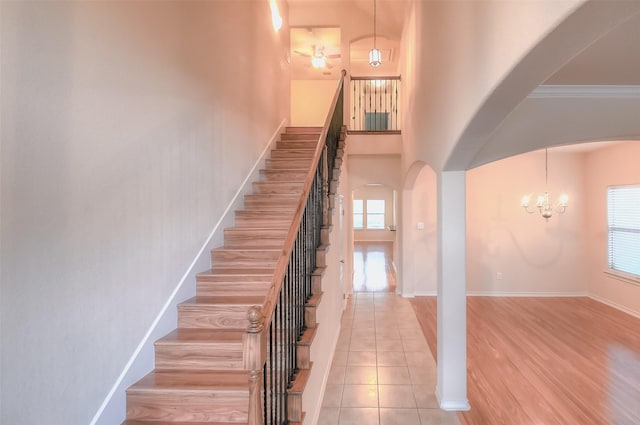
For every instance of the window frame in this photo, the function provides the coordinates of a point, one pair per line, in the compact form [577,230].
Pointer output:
[365,214]
[612,229]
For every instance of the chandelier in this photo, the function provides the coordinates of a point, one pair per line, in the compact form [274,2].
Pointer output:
[543,204]
[375,56]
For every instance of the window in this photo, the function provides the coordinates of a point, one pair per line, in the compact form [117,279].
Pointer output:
[623,229]
[368,214]
[375,214]
[358,214]
[376,121]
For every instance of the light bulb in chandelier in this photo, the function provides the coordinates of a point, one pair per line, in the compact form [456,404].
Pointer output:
[545,207]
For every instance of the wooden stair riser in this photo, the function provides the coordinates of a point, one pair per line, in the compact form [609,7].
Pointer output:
[310,310]
[296,144]
[337,163]
[316,284]
[278,187]
[321,255]
[289,175]
[270,202]
[236,258]
[310,319]
[199,356]
[305,130]
[232,288]
[189,406]
[325,233]
[213,316]
[339,153]
[294,396]
[264,218]
[313,137]
[254,237]
[303,348]
[292,153]
[283,164]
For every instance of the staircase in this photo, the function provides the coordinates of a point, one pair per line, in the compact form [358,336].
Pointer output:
[200,374]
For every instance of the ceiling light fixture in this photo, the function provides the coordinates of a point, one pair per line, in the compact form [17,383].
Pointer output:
[276,19]
[318,61]
[543,204]
[375,56]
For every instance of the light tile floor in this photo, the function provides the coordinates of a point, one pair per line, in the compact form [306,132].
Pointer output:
[382,372]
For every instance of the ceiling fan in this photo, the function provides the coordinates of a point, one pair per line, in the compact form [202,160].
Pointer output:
[319,59]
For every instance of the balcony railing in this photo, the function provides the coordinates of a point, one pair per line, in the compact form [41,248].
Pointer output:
[374,105]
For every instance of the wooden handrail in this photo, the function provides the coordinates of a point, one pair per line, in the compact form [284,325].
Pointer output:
[276,283]
[259,317]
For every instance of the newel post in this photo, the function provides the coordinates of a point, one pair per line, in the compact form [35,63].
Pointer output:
[254,358]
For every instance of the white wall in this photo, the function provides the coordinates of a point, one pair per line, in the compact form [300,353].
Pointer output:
[310,101]
[419,253]
[614,165]
[329,315]
[533,256]
[126,129]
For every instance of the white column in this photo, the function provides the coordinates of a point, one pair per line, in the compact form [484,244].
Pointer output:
[451,390]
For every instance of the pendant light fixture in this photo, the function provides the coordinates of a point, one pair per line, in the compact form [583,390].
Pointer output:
[544,205]
[375,56]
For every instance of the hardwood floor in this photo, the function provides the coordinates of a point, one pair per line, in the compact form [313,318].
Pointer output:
[373,267]
[565,361]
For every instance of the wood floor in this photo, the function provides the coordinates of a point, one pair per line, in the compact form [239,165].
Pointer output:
[373,267]
[547,361]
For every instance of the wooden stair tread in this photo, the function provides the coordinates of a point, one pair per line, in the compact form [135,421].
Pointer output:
[202,336]
[238,271]
[248,300]
[300,382]
[314,300]
[173,380]
[140,422]
[303,129]
[308,336]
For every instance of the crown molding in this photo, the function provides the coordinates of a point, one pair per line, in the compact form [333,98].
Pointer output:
[584,91]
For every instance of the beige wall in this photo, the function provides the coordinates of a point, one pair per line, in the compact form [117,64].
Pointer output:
[532,255]
[614,165]
[310,101]
[127,128]
[419,274]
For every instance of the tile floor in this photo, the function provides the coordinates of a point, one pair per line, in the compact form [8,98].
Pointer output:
[382,372]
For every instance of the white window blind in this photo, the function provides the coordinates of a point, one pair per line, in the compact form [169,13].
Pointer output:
[623,214]
[375,213]
[358,214]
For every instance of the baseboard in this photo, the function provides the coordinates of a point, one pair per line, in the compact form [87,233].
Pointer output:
[452,405]
[615,305]
[426,293]
[525,294]
[113,408]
